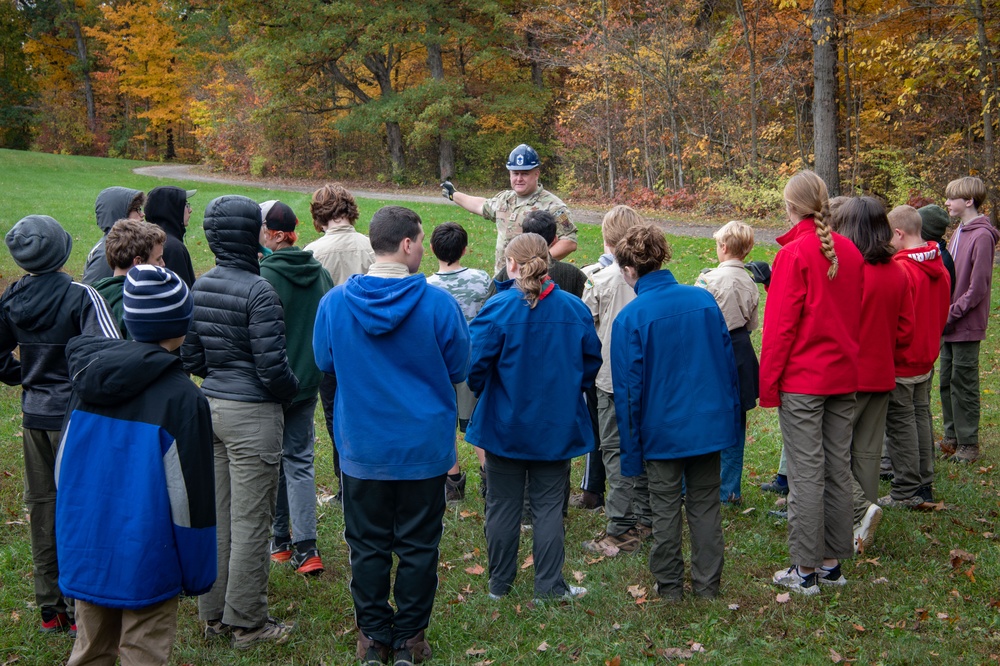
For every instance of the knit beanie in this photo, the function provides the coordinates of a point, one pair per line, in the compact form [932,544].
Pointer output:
[278,216]
[158,305]
[39,244]
[935,221]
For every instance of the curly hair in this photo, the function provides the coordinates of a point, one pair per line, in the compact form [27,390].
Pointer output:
[332,202]
[129,239]
[644,248]
[531,253]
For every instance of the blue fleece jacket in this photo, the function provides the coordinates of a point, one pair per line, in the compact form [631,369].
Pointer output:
[396,346]
[676,389]
[529,368]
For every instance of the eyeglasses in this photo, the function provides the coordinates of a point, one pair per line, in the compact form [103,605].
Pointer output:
[187,205]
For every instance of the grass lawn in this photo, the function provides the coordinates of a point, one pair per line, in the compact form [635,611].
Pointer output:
[906,603]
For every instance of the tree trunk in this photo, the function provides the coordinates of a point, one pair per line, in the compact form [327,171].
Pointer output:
[752,56]
[825,95]
[88,87]
[394,137]
[985,65]
[435,63]
[536,67]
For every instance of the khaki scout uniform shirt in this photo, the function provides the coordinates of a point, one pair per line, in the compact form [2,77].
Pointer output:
[343,251]
[605,293]
[735,292]
[508,211]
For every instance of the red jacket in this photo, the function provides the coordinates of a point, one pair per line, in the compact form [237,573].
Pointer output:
[930,289]
[886,325]
[812,324]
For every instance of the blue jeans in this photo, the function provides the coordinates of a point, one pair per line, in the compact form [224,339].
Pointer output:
[731,462]
[297,477]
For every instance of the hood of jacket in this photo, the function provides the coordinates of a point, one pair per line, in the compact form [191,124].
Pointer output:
[297,266]
[107,372]
[982,222]
[33,302]
[381,304]
[112,205]
[927,258]
[165,208]
[232,229]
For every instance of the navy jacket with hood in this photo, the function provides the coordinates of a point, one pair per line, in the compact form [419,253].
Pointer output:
[112,205]
[40,314]
[165,209]
[135,507]
[396,346]
[237,337]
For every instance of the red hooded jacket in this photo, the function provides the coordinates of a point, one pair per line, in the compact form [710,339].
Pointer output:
[812,324]
[930,288]
[887,324]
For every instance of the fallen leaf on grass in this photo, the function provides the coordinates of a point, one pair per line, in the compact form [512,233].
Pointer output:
[959,556]
[942,616]
[543,647]
[593,560]
[922,614]
[467,514]
[835,656]
[857,627]
[528,562]
[969,574]
[457,600]
[590,611]
[614,661]
[783,598]
[484,662]
[872,561]
[675,653]
[985,470]
[747,512]
[616,626]
[471,555]
[734,607]
[781,501]
[476,652]
[696,647]
[578,576]
[636,591]
[476,570]
[880,581]
[495,616]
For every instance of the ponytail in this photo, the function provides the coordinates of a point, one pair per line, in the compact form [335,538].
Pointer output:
[531,253]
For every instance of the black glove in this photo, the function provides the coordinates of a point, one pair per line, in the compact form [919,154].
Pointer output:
[448,190]
[760,271]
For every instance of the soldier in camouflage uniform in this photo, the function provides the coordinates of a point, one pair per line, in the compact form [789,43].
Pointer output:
[507,209]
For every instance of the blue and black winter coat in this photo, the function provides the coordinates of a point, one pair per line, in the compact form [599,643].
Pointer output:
[135,507]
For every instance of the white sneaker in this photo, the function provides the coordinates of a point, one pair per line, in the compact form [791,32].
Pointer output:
[574,592]
[864,532]
[796,582]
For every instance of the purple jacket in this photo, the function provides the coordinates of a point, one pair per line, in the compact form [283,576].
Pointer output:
[972,247]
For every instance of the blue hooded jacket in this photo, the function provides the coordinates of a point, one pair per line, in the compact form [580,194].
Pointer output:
[396,346]
[676,389]
[530,367]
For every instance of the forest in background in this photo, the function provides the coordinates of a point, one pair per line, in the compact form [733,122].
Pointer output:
[669,104]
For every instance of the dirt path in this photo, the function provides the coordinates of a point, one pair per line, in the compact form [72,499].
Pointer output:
[580,215]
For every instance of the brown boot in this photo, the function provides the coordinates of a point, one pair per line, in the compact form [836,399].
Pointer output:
[414,651]
[947,446]
[371,652]
[967,453]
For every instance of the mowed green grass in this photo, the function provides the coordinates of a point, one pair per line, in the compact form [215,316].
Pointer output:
[905,604]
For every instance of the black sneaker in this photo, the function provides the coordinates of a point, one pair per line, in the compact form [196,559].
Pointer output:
[927,493]
[402,657]
[779,485]
[307,561]
[831,576]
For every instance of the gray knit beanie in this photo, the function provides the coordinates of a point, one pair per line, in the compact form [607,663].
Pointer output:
[39,244]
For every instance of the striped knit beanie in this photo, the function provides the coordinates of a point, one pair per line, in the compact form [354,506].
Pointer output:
[158,305]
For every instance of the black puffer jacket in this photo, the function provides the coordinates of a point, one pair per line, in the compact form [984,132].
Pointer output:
[237,338]
[111,205]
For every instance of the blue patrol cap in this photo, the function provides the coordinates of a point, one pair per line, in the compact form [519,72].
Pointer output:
[523,158]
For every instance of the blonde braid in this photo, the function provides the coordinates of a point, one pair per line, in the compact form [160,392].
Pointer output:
[531,253]
[826,243]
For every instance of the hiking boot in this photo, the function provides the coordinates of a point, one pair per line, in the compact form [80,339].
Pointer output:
[864,532]
[414,651]
[586,500]
[779,485]
[609,546]
[670,593]
[308,562]
[644,532]
[831,576]
[946,446]
[966,453]
[885,469]
[271,631]
[54,621]
[927,493]
[216,629]
[371,652]
[281,550]
[889,502]
[482,482]
[796,581]
[454,489]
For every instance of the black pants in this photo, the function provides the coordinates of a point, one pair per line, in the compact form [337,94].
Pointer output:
[327,392]
[386,517]
[594,477]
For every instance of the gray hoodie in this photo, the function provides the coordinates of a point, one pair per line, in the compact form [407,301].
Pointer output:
[112,205]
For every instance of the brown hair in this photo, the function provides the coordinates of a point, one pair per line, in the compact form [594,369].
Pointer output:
[616,222]
[531,253]
[806,196]
[332,202]
[737,237]
[129,239]
[136,205]
[906,219]
[863,221]
[644,248]
[967,188]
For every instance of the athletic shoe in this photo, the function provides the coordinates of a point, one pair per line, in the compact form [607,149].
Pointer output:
[371,652]
[54,621]
[586,500]
[609,545]
[574,592]
[307,562]
[281,551]
[216,629]
[912,502]
[946,446]
[780,514]
[864,532]
[966,453]
[372,657]
[927,492]
[271,631]
[796,582]
[454,491]
[415,650]
[779,485]
[72,630]
[831,576]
